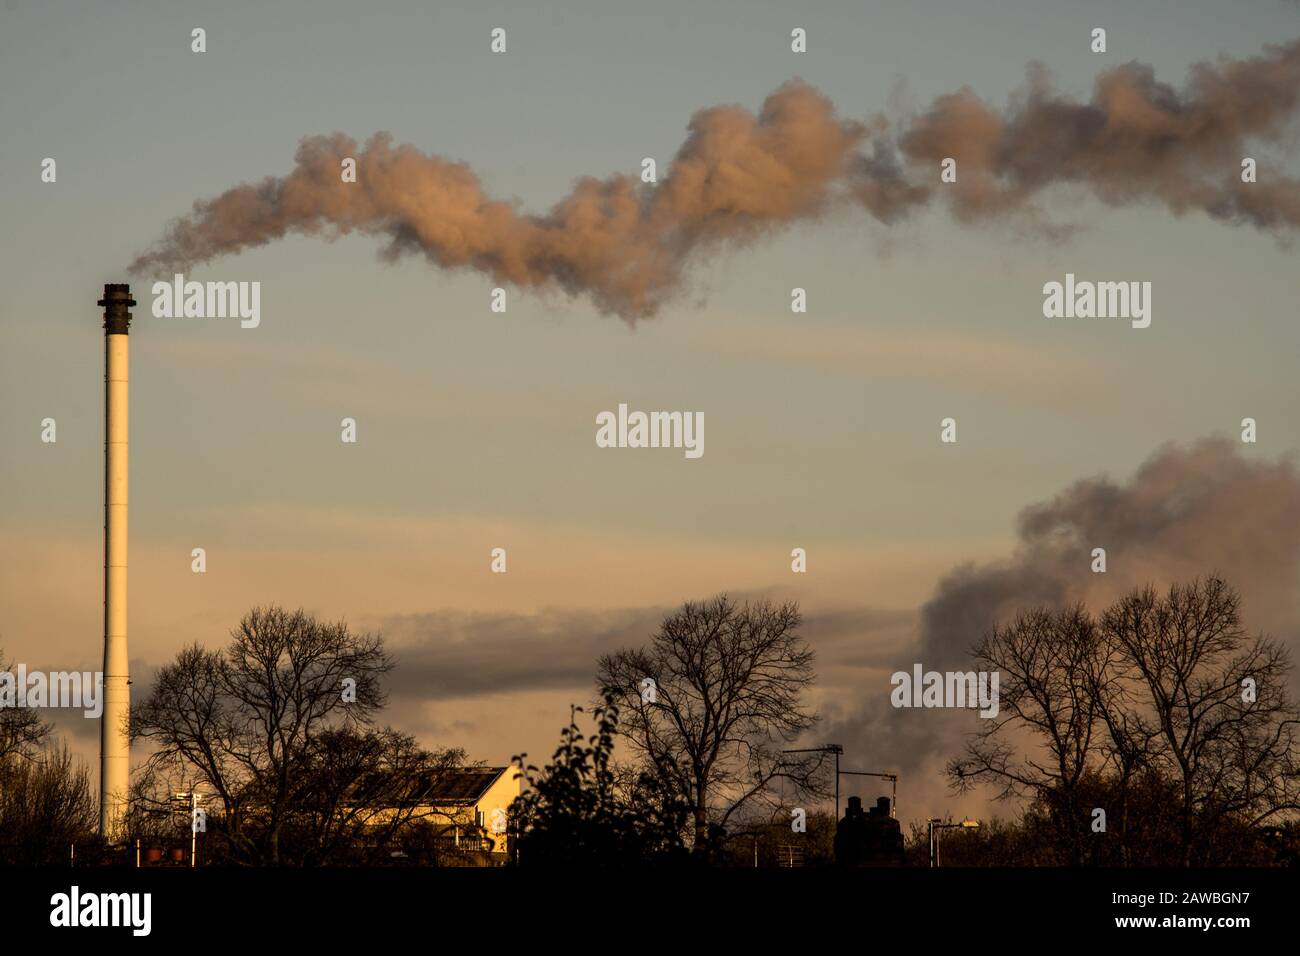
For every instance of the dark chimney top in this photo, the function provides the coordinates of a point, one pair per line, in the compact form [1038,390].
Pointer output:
[117,302]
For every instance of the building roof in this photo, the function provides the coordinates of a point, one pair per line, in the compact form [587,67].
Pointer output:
[464,785]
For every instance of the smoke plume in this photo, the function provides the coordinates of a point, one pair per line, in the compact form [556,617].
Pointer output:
[1188,511]
[627,245]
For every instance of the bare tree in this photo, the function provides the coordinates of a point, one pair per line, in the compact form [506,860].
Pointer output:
[1128,738]
[251,721]
[368,787]
[1163,703]
[46,803]
[709,703]
[1048,664]
[22,730]
[1227,730]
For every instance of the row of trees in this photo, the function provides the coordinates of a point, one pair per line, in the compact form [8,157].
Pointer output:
[1160,712]
[278,730]
[1156,732]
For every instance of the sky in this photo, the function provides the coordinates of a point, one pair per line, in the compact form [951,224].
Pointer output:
[476,429]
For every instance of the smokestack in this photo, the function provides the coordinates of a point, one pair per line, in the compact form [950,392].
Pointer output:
[114,740]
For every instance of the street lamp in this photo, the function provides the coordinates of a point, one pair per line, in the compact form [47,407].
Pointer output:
[835,749]
[937,824]
[183,800]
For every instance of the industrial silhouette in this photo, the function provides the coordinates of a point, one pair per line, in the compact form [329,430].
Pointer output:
[871,838]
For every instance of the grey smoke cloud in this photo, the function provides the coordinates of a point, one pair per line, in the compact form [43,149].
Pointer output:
[446,655]
[1136,140]
[738,176]
[620,242]
[1188,510]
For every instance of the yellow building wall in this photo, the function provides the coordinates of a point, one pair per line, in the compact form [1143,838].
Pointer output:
[499,796]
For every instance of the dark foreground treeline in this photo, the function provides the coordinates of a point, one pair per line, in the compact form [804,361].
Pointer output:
[49,810]
[1154,839]
[1155,733]
[568,820]
[1024,841]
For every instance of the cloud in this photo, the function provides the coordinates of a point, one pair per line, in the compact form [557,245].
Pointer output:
[1136,140]
[627,245]
[623,244]
[1188,511]
[452,655]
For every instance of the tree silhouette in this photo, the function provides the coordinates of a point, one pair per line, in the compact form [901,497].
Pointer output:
[278,726]
[1161,711]
[578,811]
[724,696]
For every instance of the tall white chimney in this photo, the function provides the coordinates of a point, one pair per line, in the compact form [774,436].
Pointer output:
[114,740]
